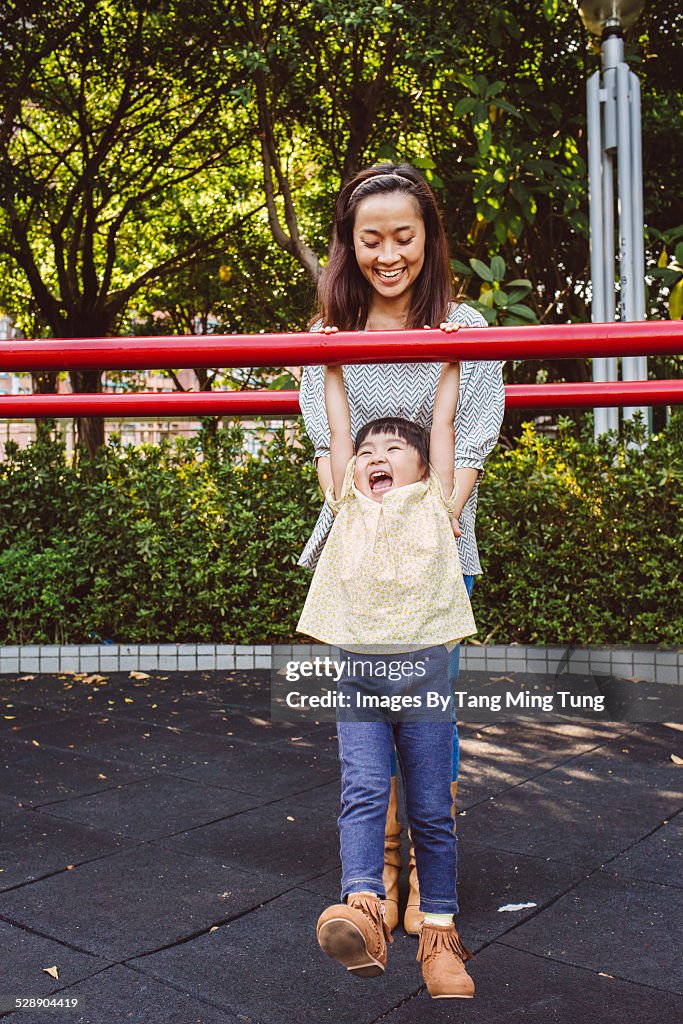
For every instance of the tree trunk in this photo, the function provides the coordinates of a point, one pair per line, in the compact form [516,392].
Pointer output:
[89,429]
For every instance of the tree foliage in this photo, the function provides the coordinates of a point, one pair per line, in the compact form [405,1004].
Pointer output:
[181,157]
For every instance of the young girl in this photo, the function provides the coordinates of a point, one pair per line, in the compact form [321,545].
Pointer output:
[390,575]
[388,269]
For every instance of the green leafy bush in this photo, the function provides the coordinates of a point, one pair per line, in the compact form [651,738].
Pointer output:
[196,540]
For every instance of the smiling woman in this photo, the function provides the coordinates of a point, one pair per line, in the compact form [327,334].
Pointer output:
[389,269]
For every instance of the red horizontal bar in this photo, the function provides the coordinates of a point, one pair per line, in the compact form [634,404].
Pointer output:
[558,341]
[276,404]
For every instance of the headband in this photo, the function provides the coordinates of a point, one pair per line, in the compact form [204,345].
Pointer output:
[378,177]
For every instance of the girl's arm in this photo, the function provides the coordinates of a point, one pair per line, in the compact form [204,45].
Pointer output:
[339,419]
[442,437]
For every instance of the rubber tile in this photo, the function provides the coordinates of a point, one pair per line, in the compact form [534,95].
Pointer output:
[215,719]
[275,770]
[153,808]
[489,879]
[515,988]
[268,966]
[609,776]
[526,820]
[625,928]
[528,747]
[14,716]
[133,743]
[33,845]
[480,778]
[137,900]
[657,858]
[283,840]
[651,744]
[25,956]
[48,691]
[44,776]
[120,994]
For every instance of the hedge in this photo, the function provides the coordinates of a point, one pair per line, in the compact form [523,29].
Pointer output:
[197,540]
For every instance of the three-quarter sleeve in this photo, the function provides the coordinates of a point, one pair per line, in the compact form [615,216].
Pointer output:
[312,404]
[481,407]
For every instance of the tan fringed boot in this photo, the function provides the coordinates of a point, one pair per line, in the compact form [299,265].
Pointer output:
[414,917]
[443,954]
[355,934]
[392,858]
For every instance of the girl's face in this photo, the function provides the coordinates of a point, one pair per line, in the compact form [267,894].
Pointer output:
[389,243]
[385,462]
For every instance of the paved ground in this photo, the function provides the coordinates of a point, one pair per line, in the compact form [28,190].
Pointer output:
[166,851]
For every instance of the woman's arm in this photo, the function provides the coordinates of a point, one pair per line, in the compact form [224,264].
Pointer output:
[442,437]
[339,420]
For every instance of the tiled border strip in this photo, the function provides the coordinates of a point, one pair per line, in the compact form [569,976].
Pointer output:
[649,663]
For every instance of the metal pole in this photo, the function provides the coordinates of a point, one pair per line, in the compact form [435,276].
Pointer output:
[597,238]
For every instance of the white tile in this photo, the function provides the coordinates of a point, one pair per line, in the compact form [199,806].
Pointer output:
[9,666]
[187,662]
[206,661]
[244,649]
[149,649]
[168,649]
[244,661]
[168,663]
[225,662]
[262,661]
[128,662]
[49,665]
[225,649]
[9,652]
[90,664]
[109,663]
[69,663]
[187,650]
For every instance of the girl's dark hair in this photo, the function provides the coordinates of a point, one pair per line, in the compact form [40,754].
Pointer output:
[412,433]
[343,292]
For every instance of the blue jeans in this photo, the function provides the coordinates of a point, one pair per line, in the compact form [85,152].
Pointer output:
[453,673]
[424,750]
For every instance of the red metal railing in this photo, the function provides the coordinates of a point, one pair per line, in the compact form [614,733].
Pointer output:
[557,342]
[276,404]
[496,343]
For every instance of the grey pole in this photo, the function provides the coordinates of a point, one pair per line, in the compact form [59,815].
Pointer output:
[613,107]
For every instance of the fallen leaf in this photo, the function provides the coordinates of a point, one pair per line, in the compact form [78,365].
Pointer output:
[101,776]
[35,743]
[214,928]
[128,700]
[139,675]
[26,679]
[9,718]
[601,974]
[69,867]
[676,759]
[52,971]
[516,906]
[502,679]
[289,818]
[94,679]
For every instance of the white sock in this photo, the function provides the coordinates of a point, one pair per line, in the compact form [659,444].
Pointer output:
[442,919]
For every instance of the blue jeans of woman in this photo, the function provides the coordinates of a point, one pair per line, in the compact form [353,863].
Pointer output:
[424,749]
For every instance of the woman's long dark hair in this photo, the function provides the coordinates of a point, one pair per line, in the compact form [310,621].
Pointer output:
[344,294]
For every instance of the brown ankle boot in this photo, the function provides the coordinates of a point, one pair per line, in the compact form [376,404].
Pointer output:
[355,934]
[392,859]
[443,954]
[414,917]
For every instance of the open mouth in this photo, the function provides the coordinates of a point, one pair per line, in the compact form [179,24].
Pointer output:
[380,481]
[390,275]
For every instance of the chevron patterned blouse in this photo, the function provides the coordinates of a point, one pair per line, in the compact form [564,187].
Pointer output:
[408,389]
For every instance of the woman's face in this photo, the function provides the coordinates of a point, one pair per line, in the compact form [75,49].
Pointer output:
[389,243]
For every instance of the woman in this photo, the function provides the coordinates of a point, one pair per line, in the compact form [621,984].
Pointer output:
[389,270]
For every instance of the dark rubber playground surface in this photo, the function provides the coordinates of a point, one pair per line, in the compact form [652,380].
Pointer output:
[168,850]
